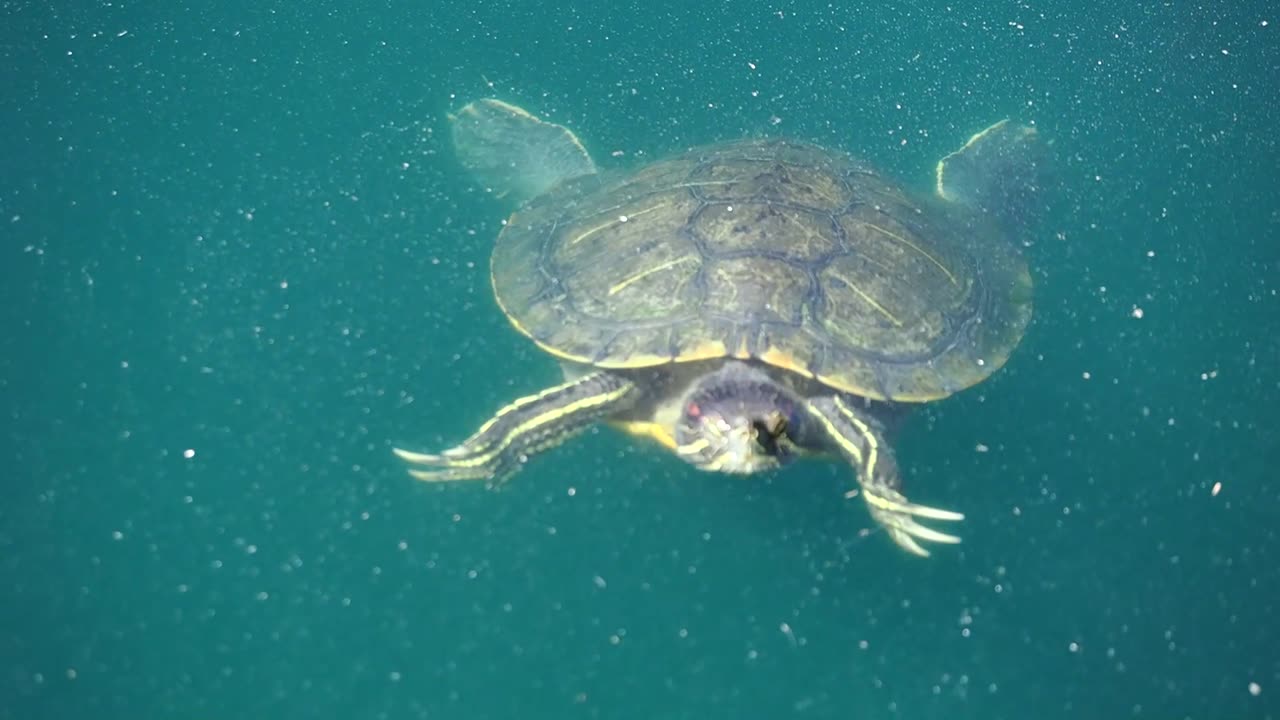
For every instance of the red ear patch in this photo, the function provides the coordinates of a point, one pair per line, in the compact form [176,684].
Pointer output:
[694,410]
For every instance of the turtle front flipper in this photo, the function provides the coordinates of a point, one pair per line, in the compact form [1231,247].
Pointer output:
[524,427]
[514,153]
[860,439]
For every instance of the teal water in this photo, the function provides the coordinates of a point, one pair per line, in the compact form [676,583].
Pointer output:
[239,263]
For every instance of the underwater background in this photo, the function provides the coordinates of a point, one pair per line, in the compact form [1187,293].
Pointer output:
[238,262]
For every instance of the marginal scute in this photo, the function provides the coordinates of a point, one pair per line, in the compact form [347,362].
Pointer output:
[786,360]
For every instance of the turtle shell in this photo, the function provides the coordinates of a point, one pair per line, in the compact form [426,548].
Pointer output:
[769,250]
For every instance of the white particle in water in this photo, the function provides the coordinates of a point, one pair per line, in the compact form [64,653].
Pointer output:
[622,218]
[1255,689]
[189,453]
[1137,313]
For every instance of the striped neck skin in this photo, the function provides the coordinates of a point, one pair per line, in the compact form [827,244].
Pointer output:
[737,420]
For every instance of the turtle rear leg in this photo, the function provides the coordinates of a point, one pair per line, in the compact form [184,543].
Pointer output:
[860,439]
[526,426]
[1000,171]
[513,152]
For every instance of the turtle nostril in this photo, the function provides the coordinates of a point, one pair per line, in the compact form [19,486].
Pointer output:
[768,441]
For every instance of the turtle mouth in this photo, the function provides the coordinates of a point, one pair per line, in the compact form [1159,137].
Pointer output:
[740,445]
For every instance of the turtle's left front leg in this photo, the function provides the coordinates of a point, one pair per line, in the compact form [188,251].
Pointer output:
[859,437]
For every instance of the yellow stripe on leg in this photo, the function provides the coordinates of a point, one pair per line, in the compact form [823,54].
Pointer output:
[538,421]
[873,444]
[520,403]
[834,433]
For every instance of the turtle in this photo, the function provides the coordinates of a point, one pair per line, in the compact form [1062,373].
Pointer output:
[749,302]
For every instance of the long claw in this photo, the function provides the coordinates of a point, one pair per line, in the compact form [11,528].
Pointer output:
[417,458]
[907,543]
[445,467]
[898,517]
[933,513]
[929,534]
[905,531]
[893,502]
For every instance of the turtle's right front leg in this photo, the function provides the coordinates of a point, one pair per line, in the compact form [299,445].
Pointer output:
[524,427]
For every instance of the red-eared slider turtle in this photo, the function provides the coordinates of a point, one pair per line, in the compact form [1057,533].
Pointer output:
[749,302]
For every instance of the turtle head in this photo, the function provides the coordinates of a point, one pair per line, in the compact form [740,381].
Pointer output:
[737,420]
